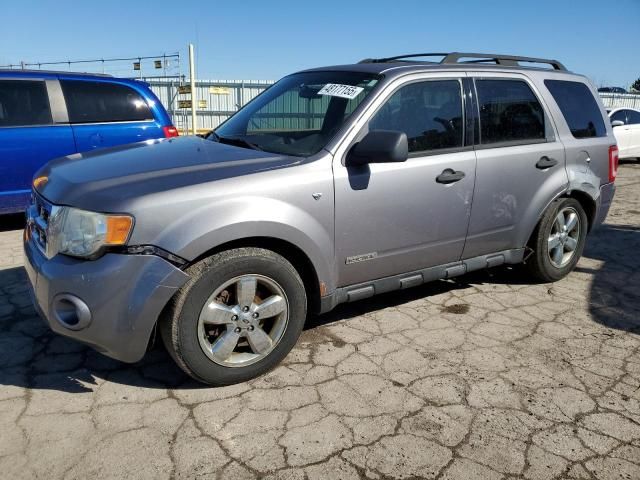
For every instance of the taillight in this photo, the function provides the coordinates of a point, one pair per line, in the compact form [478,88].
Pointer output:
[170,131]
[613,162]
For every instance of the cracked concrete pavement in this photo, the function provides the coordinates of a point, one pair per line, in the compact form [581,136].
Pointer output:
[488,377]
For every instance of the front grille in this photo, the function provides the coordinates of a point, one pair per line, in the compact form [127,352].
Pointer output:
[38,217]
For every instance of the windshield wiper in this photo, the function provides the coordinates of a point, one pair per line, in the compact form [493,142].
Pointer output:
[237,141]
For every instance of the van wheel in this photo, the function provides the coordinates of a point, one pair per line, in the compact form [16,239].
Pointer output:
[558,240]
[238,316]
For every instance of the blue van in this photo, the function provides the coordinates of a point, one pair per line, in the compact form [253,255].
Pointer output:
[44,115]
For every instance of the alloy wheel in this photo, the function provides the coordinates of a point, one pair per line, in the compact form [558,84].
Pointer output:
[243,320]
[563,239]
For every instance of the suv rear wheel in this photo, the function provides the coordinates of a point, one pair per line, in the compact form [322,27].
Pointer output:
[237,318]
[558,240]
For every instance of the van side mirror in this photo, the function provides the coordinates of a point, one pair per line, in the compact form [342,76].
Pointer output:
[379,146]
[617,123]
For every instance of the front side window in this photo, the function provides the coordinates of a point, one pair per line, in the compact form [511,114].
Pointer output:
[299,114]
[98,102]
[24,103]
[509,112]
[429,112]
[579,108]
[620,115]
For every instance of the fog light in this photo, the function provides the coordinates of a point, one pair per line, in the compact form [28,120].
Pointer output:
[71,312]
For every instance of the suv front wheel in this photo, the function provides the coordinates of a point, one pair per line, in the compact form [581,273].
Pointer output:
[237,318]
[558,240]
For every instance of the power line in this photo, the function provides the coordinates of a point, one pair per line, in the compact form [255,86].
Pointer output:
[169,63]
[97,60]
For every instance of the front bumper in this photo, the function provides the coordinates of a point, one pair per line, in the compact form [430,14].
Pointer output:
[125,295]
[607,191]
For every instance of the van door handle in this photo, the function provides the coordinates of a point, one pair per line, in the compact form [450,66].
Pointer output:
[546,162]
[449,175]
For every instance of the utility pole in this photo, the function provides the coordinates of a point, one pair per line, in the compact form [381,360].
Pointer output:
[192,75]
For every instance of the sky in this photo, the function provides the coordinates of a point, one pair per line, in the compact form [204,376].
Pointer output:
[265,40]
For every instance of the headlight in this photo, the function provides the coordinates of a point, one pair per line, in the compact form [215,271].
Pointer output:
[80,233]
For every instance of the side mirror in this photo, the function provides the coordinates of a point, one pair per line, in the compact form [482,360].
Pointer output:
[379,146]
[617,123]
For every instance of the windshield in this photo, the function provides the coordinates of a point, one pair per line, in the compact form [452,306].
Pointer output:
[299,114]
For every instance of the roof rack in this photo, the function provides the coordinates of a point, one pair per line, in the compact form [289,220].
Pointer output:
[455,57]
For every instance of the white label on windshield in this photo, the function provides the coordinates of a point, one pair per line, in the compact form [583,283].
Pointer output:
[337,90]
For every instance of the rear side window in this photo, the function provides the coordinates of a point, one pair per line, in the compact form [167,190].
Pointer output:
[96,102]
[509,112]
[430,113]
[579,108]
[24,103]
[633,117]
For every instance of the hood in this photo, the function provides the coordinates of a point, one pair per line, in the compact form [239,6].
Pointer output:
[104,180]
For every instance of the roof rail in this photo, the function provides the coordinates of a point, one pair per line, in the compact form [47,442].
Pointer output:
[454,58]
[402,57]
[50,72]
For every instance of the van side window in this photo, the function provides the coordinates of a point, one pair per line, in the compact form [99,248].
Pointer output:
[24,103]
[579,108]
[429,112]
[97,102]
[509,112]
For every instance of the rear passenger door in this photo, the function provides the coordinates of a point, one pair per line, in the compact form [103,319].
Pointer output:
[106,113]
[32,132]
[633,129]
[520,163]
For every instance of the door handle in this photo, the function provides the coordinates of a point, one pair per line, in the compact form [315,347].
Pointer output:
[546,162]
[449,175]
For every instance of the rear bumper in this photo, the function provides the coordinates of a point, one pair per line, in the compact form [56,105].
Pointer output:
[607,191]
[124,295]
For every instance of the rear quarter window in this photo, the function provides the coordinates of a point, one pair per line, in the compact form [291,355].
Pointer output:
[578,107]
[99,102]
[24,103]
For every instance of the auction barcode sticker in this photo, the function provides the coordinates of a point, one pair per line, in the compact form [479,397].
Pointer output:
[343,91]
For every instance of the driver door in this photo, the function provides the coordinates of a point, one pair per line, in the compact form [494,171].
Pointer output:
[393,218]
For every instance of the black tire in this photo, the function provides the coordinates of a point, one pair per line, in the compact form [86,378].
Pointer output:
[179,325]
[539,264]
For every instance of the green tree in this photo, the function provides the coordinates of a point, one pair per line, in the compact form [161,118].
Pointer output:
[636,85]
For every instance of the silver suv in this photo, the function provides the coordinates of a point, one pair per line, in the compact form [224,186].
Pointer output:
[332,186]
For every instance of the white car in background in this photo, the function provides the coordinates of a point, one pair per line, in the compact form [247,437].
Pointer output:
[626,129]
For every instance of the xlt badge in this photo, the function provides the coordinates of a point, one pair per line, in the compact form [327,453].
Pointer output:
[361,258]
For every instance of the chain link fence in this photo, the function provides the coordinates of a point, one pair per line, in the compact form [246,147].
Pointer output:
[216,100]
[620,100]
